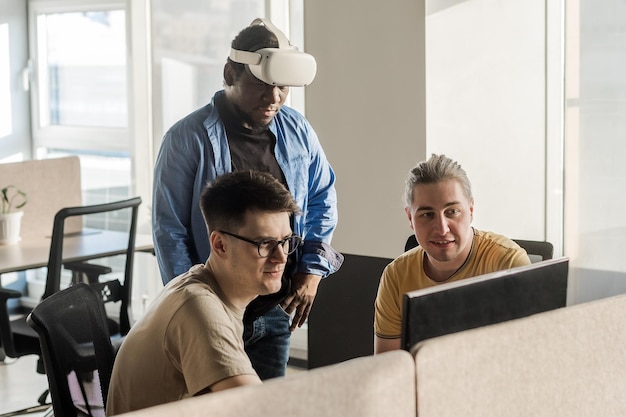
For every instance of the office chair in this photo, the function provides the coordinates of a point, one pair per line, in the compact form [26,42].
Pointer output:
[111,291]
[536,250]
[18,339]
[76,348]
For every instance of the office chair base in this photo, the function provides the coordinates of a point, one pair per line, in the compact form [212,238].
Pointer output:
[28,410]
[43,406]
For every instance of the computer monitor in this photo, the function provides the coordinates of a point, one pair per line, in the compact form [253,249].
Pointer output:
[483,300]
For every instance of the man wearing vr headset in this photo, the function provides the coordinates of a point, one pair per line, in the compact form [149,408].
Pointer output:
[246,126]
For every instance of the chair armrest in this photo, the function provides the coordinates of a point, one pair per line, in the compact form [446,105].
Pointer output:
[6,337]
[92,271]
[6,293]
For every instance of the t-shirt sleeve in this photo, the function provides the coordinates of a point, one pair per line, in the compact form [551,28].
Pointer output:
[515,257]
[387,307]
[206,343]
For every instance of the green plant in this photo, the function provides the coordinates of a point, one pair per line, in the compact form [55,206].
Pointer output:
[9,194]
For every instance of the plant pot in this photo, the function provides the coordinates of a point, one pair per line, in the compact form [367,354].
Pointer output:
[10,227]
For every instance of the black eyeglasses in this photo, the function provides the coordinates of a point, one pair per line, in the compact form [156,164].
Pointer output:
[266,247]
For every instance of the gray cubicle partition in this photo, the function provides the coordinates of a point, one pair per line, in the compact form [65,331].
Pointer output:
[341,322]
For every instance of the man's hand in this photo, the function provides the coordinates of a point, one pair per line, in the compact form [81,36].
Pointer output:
[300,300]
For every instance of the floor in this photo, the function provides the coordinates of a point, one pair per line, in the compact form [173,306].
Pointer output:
[21,385]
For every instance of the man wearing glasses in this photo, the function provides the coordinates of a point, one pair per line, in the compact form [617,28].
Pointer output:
[189,341]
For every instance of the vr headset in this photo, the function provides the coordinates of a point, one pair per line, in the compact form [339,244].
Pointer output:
[283,66]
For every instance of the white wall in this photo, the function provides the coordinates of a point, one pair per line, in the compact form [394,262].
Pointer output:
[367,105]
[486,106]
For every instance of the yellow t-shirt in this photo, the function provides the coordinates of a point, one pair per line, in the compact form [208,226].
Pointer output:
[490,252]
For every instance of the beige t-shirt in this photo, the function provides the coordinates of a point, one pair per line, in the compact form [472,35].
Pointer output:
[189,339]
[490,252]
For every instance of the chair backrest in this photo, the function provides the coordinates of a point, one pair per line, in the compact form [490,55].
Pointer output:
[411,242]
[338,331]
[536,250]
[76,348]
[112,290]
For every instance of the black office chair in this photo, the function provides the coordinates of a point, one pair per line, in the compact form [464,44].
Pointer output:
[18,339]
[536,250]
[112,291]
[76,348]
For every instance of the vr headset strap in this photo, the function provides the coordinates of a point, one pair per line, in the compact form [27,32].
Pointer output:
[245,57]
[254,58]
[283,42]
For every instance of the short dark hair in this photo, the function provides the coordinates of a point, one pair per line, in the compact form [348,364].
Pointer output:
[225,201]
[252,39]
[437,168]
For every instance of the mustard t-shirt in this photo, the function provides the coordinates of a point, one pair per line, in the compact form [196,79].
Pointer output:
[490,252]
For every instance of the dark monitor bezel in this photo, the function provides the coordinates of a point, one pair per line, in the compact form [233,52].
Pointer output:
[483,300]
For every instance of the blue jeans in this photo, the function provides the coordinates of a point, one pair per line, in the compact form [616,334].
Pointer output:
[266,341]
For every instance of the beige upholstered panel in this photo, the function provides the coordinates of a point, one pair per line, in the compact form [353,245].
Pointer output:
[51,184]
[566,362]
[373,386]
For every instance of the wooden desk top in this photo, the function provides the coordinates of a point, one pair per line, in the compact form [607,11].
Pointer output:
[92,244]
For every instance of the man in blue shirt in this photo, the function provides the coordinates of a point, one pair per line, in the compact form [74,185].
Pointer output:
[247,127]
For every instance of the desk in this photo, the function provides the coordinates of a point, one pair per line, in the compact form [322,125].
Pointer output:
[32,253]
[91,244]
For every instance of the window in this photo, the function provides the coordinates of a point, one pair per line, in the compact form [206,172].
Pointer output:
[5,88]
[80,83]
[80,91]
[82,78]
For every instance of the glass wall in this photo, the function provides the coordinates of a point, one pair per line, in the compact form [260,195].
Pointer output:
[595,145]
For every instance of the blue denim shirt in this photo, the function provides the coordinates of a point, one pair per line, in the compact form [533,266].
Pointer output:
[195,151]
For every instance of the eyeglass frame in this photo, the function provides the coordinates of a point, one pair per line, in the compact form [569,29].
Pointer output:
[258,243]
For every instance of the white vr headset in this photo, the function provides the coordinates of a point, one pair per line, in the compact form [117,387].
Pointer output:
[282,66]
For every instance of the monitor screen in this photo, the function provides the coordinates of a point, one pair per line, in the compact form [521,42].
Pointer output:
[483,300]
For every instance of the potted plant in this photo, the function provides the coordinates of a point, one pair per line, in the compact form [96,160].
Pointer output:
[12,199]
